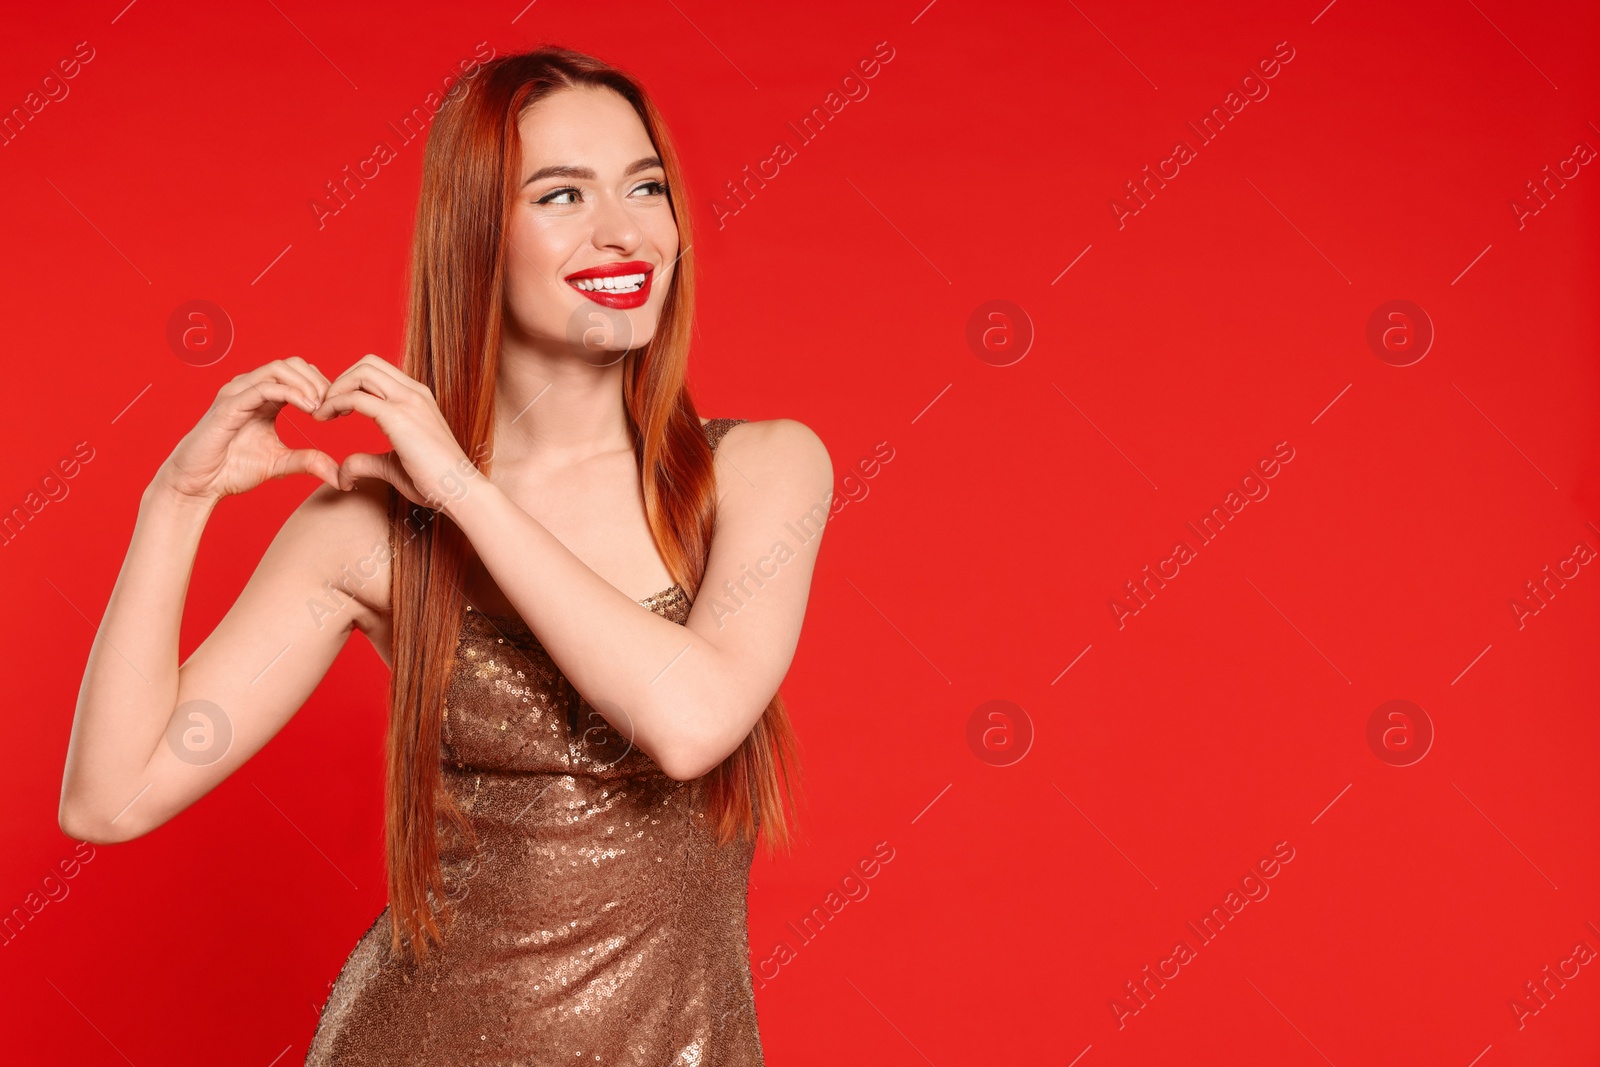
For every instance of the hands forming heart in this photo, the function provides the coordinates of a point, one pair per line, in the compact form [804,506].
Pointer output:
[236,447]
[425,463]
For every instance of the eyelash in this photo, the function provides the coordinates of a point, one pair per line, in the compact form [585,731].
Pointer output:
[663,188]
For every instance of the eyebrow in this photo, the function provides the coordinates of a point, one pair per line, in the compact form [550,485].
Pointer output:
[567,170]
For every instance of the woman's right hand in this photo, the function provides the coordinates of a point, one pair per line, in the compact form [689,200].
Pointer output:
[235,445]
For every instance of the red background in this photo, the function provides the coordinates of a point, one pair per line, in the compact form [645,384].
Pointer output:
[1226,316]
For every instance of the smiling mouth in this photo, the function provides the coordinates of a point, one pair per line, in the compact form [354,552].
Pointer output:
[615,283]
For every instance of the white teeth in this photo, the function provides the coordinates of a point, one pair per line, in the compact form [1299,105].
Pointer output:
[616,283]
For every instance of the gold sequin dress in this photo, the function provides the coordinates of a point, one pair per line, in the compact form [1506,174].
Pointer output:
[597,922]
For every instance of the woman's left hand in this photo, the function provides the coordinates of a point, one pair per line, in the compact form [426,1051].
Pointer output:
[427,465]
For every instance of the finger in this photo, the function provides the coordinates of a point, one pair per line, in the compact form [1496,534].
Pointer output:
[282,371]
[337,404]
[389,371]
[276,371]
[367,465]
[263,394]
[383,366]
[363,377]
[313,462]
[315,373]
[387,467]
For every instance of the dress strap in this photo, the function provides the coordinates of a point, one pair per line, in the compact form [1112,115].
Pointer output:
[717,428]
[397,504]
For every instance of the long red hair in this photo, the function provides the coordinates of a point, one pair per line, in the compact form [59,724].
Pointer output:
[470,180]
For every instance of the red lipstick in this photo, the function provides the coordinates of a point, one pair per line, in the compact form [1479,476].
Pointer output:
[630,289]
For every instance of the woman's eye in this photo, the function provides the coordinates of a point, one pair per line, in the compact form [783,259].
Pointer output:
[550,197]
[554,196]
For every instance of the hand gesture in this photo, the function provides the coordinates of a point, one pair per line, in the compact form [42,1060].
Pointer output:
[426,464]
[235,445]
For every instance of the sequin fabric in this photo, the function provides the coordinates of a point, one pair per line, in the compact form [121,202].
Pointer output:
[597,921]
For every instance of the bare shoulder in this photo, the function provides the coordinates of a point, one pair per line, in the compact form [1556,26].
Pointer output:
[351,532]
[781,455]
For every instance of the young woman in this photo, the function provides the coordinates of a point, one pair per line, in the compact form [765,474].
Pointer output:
[580,760]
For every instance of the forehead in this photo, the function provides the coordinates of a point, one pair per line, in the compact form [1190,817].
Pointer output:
[585,126]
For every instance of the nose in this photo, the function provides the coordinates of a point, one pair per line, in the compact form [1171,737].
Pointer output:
[615,225]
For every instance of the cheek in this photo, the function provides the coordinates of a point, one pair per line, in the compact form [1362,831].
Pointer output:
[533,269]
[667,249]
[664,235]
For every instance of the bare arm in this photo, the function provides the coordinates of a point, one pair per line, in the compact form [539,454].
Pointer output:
[151,736]
[686,695]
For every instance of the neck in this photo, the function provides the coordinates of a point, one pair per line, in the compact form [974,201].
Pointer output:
[557,409]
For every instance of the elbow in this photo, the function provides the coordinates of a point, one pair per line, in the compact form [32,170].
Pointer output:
[84,826]
[685,763]
[695,755]
[690,746]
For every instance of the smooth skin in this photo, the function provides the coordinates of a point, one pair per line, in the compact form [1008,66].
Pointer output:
[558,529]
